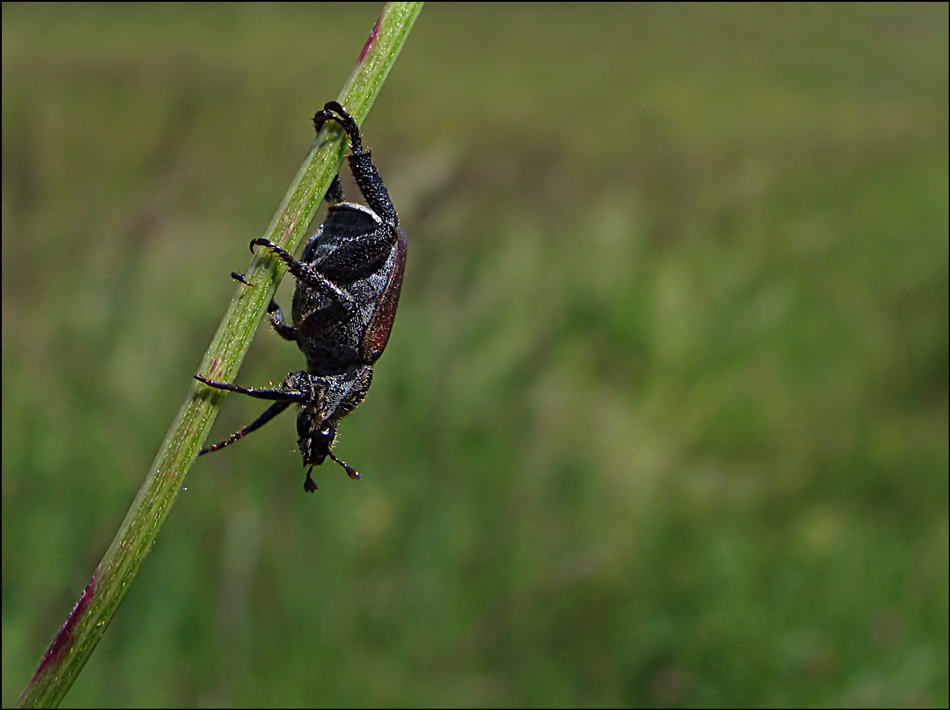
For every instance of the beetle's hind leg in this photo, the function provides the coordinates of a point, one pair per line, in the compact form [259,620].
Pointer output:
[335,193]
[361,162]
[333,110]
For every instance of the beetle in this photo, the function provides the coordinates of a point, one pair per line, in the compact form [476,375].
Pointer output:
[349,277]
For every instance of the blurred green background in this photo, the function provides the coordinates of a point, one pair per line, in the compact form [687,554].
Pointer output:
[663,420]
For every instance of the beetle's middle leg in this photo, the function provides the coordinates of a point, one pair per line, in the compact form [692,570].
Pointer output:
[284,329]
[307,274]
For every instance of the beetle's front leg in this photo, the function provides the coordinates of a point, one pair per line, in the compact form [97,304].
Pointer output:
[279,394]
[272,411]
[307,274]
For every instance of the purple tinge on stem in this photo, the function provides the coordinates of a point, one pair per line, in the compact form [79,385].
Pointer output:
[64,639]
[371,41]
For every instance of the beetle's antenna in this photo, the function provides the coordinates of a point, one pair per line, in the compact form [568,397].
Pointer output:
[350,471]
[310,485]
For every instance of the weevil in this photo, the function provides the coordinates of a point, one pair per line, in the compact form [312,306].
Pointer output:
[348,281]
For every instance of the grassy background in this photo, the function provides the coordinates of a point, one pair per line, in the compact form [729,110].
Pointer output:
[663,420]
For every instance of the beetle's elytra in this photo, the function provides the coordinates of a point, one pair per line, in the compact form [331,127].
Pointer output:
[348,281]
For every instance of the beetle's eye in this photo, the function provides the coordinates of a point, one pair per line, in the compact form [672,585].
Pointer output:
[327,435]
[304,423]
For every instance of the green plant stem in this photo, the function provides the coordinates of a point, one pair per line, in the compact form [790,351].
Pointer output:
[89,618]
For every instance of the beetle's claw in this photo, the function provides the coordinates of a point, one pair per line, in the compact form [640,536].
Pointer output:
[240,277]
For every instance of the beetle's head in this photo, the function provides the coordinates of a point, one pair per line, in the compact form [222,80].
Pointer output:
[317,438]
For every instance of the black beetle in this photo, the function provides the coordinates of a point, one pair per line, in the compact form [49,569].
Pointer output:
[348,282]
